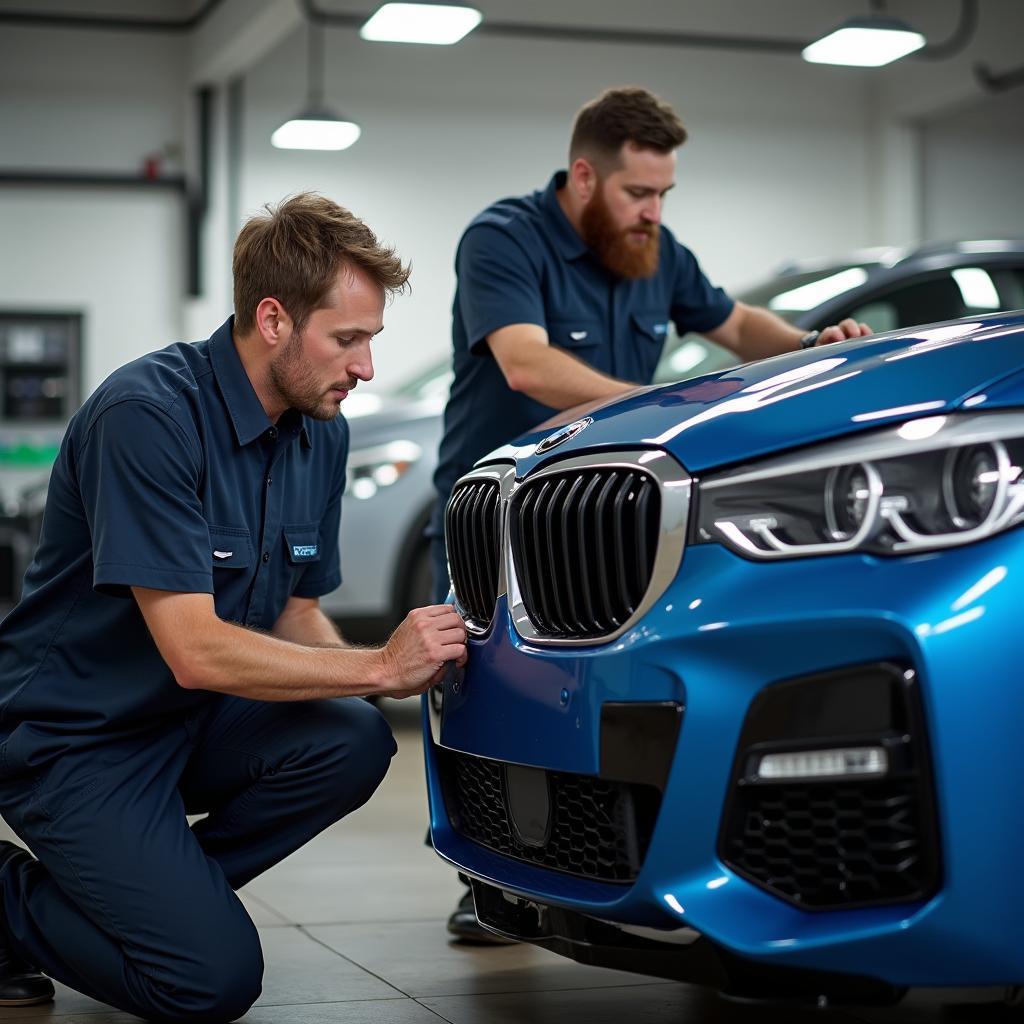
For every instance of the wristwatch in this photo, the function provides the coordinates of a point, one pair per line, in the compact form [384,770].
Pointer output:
[810,339]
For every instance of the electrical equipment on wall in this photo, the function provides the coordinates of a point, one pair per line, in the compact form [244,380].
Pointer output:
[40,358]
[40,388]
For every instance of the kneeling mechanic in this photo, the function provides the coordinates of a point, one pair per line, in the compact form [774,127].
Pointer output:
[169,655]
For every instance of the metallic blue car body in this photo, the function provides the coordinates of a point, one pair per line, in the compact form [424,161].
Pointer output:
[727,627]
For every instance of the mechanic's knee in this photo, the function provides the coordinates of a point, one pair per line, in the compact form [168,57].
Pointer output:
[362,753]
[224,980]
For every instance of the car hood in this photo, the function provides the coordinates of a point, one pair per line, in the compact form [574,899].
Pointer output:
[798,398]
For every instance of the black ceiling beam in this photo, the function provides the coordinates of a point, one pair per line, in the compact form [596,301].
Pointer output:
[63,19]
[91,179]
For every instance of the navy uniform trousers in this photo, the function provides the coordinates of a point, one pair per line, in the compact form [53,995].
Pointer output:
[130,905]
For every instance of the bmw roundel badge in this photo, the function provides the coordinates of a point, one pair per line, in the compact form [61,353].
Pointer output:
[563,435]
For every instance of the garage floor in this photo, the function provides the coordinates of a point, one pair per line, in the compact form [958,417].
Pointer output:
[353,931]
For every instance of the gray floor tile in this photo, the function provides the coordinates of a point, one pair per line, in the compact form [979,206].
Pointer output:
[262,915]
[640,1004]
[328,894]
[924,1007]
[301,970]
[54,1014]
[416,958]
[68,1006]
[379,1011]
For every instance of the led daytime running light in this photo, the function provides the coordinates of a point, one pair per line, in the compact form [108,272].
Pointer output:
[823,764]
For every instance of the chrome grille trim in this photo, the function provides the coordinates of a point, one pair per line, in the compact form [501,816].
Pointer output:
[481,583]
[674,486]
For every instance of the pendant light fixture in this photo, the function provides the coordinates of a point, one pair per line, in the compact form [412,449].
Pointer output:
[867,42]
[316,127]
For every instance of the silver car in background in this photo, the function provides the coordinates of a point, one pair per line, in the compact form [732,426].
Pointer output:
[394,437]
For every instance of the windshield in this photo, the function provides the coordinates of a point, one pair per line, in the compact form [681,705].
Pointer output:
[789,295]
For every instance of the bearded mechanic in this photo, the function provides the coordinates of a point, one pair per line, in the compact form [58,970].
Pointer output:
[564,297]
[169,656]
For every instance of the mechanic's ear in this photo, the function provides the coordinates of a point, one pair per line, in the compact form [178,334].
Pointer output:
[583,178]
[273,322]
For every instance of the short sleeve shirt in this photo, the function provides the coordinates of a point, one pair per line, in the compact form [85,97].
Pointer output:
[521,261]
[170,477]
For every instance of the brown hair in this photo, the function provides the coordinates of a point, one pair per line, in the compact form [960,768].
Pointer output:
[293,253]
[617,116]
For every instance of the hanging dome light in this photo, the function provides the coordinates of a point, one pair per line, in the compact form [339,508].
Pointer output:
[316,127]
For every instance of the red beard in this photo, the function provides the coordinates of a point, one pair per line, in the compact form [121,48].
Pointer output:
[616,250]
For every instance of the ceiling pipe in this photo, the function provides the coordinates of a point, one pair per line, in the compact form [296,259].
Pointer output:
[966,26]
[579,34]
[998,81]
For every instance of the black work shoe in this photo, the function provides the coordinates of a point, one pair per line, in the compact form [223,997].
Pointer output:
[466,928]
[19,984]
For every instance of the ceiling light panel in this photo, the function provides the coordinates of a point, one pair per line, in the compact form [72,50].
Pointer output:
[865,43]
[434,24]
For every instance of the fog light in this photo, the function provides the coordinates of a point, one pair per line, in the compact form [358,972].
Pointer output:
[823,764]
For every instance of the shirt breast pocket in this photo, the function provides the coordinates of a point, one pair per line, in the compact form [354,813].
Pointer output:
[650,328]
[231,547]
[302,545]
[234,565]
[577,335]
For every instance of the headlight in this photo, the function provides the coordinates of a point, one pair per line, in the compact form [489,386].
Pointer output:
[370,469]
[929,484]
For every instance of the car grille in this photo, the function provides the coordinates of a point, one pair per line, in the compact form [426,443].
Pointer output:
[823,845]
[600,829]
[584,543]
[473,538]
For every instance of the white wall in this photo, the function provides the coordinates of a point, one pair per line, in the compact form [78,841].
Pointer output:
[92,102]
[974,185]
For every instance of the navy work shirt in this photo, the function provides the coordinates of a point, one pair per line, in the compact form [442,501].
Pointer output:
[170,477]
[521,261]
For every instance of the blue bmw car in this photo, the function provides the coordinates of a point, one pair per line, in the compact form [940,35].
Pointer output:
[743,706]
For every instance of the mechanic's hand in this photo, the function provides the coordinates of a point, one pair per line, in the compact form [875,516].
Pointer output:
[417,654]
[841,331]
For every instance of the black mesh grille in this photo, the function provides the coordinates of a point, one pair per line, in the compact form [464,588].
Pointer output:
[599,828]
[823,845]
[834,843]
[584,543]
[473,537]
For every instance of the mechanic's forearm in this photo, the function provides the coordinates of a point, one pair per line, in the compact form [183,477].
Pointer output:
[230,659]
[308,626]
[556,379]
[763,334]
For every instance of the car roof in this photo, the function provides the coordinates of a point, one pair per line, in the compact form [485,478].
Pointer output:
[891,256]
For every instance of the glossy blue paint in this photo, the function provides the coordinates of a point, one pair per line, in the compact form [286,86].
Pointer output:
[726,628]
[804,397]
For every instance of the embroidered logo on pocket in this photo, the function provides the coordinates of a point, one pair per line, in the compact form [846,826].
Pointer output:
[304,550]
[577,335]
[223,554]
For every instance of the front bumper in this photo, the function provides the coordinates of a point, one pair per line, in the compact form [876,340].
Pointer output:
[724,631]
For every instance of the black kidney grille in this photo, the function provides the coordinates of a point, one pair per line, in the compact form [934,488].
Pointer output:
[473,536]
[823,845]
[584,543]
[600,829]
